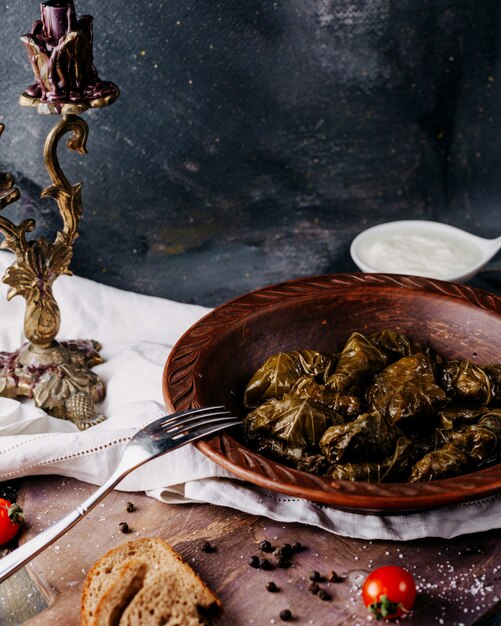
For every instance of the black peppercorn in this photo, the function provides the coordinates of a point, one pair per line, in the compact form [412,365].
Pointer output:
[287,550]
[264,564]
[129,507]
[124,527]
[333,577]
[285,615]
[297,546]
[207,547]
[313,587]
[315,576]
[254,561]
[265,546]
[323,595]
[282,556]
[271,587]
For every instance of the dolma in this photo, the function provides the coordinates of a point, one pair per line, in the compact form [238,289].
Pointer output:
[484,437]
[467,381]
[391,468]
[397,345]
[449,460]
[467,448]
[492,421]
[307,387]
[290,426]
[494,374]
[281,371]
[406,390]
[368,472]
[279,450]
[455,416]
[480,444]
[370,437]
[313,463]
[359,360]
[426,441]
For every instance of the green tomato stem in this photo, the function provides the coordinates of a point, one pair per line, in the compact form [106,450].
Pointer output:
[15,513]
[385,608]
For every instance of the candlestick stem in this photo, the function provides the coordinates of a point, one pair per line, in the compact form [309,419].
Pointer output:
[56,375]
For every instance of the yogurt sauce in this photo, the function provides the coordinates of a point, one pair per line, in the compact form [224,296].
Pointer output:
[421,255]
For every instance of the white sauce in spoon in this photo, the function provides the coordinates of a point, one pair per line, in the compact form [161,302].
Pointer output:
[420,255]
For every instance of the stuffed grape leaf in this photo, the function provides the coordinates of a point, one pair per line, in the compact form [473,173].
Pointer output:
[290,426]
[279,450]
[313,463]
[406,390]
[492,421]
[480,444]
[370,437]
[457,415]
[392,467]
[281,371]
[397,345]
[449,460]
[494,374]
[359,360]
[426,440]
[346,405]
[467,381]
[467,448]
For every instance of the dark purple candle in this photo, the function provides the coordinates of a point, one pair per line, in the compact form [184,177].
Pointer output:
[58,18]
[60,52]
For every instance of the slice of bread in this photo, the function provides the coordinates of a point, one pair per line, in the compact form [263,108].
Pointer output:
[119,577]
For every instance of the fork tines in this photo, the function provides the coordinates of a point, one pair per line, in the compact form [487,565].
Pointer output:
[204,421]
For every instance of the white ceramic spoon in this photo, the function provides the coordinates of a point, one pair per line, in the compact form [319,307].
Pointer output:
[422,248]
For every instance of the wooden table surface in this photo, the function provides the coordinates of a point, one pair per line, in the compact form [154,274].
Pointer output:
[459,580]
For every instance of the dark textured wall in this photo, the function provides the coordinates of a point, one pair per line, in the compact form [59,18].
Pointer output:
[254,138]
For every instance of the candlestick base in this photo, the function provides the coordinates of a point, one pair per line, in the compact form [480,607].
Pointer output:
[57,377]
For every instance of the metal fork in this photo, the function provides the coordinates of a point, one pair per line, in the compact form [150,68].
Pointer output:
[161,436]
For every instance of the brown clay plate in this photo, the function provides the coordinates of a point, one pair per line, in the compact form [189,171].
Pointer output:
[215,358]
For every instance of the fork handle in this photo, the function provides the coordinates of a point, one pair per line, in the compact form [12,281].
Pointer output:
[29,550]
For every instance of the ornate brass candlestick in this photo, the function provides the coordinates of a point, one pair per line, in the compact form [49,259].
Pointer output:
[55,374]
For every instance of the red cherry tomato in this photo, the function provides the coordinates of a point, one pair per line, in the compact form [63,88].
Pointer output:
[389,592]
[11,518]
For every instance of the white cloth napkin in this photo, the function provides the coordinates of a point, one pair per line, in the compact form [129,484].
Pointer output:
[137,333]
